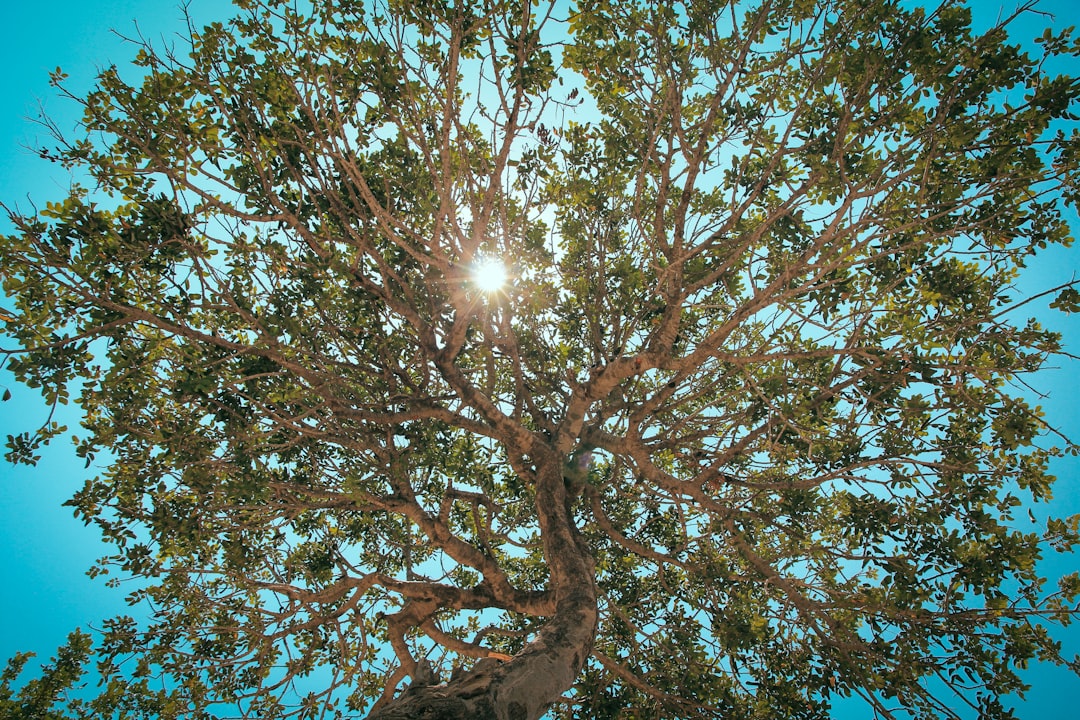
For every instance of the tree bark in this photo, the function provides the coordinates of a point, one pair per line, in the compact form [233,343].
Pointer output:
[523,687]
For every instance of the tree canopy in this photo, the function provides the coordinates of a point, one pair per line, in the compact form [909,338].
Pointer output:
[741,430]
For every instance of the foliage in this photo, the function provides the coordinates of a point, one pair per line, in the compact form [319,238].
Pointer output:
[749,404]
[59,685]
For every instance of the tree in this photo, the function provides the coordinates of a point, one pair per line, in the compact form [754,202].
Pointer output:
[742,432]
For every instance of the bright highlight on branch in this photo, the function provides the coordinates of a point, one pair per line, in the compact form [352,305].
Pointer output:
[489,275]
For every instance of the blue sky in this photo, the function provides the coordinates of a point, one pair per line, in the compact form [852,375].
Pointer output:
[44,551]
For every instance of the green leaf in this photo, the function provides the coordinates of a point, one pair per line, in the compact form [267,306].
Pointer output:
[1068,300]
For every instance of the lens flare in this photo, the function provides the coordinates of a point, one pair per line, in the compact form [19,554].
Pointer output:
[489,275]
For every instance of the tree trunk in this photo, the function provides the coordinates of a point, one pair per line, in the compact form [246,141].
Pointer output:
[523,687]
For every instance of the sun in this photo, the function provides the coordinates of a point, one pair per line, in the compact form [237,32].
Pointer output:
[489,274]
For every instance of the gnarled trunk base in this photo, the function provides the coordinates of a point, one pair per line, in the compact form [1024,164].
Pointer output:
[523,687]
[468,696]
[519,689]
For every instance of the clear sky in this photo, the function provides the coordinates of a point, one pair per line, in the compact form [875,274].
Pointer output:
[45,552]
